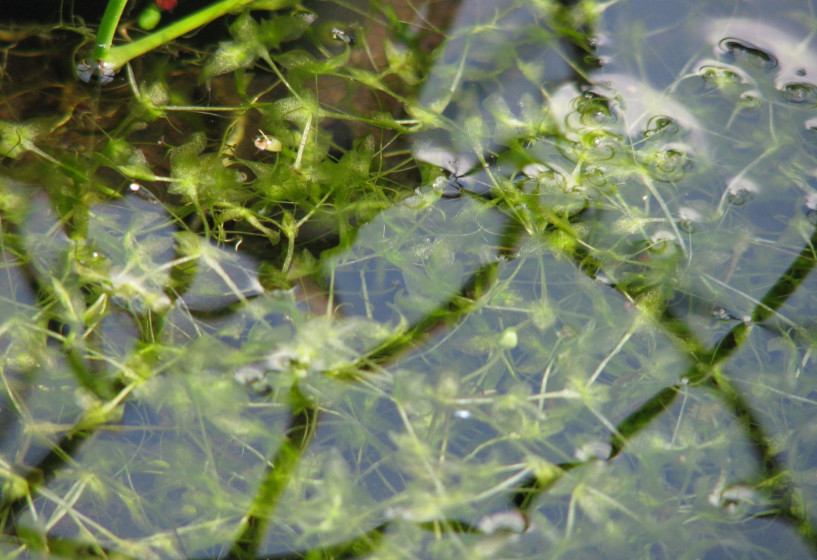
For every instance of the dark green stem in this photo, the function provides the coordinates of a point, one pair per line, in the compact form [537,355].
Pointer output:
[788,283]
[281,469]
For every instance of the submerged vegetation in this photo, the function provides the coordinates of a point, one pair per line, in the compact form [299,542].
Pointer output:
[477,279]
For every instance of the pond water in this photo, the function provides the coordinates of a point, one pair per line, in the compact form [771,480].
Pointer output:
[514,279]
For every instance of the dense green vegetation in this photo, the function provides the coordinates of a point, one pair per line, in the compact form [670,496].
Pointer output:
[492,279]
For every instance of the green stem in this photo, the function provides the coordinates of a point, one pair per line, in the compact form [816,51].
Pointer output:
[116,57]
[107,28]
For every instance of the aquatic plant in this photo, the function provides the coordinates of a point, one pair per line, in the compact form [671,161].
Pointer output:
[535,278]
[106,59]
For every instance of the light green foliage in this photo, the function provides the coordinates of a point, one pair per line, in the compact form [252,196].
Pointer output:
[202,178]
[504,296]
[127,160]
[17,139]
[253,40]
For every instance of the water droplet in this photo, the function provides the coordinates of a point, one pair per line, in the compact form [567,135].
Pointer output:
[740,50]
[799,92]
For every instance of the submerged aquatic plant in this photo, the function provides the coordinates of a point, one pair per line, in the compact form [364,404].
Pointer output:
[289,295]
[106,59]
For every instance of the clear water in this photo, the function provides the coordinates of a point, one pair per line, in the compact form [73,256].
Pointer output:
[587,332]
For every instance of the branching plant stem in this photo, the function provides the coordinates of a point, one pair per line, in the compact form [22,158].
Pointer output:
[116,57]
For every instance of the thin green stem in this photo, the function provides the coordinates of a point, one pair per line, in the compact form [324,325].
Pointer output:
[116,57]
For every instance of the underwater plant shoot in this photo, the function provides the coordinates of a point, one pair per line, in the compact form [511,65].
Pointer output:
[499,279]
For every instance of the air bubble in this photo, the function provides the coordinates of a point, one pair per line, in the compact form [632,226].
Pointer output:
[103,71]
